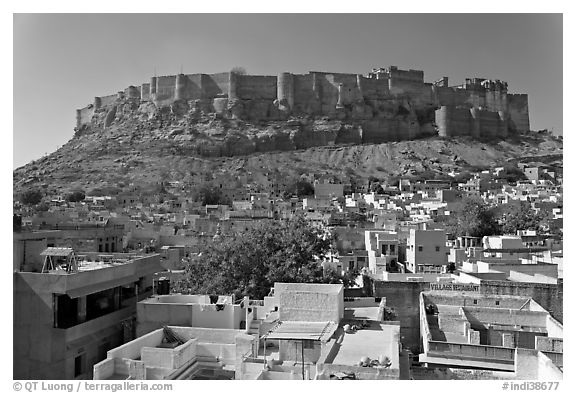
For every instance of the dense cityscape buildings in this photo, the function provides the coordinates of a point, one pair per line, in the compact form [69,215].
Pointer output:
[432,291]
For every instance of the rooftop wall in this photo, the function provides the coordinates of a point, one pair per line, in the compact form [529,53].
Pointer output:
[310,306]
[456,299]
[76,284]
[152,315]
[490,316]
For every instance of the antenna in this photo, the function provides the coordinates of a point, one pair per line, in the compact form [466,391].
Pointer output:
[154,71]
[181,68]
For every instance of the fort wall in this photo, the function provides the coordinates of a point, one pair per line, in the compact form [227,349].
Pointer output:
[386,105]
[256,87]
[145,92]
[165,89]
[518,109]
[108,100]
[461,121]
[405,81]
[84,115]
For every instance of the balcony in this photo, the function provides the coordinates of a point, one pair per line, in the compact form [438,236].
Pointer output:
[95,326]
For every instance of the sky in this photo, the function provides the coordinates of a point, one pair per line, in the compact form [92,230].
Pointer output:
[61,61]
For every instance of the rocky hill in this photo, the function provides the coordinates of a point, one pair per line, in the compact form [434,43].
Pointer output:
[145,145]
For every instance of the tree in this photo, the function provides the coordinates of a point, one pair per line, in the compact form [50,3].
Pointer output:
[76,196]
[238,70]
[520,217]
[462,177]
[376,188]
[299,188]
[347,278]
[512,175]
[31,197]
[249,263]
[475,219]
[210,195]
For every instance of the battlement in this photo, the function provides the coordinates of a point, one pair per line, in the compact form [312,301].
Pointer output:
[387,103]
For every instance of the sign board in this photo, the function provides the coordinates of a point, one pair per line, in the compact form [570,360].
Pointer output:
[454,287]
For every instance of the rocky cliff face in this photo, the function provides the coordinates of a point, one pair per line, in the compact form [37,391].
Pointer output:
[200,130]
[136,142]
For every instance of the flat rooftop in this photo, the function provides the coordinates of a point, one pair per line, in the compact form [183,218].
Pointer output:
[88,261]
[375,341]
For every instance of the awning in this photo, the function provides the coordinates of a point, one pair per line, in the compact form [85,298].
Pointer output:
[300,330]
[57,252]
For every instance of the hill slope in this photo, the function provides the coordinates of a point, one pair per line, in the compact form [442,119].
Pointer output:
[142,151]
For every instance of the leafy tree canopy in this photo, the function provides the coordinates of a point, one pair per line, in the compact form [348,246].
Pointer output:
[475,219]
[210,195]
[512,174]
[76,196]
[31,197]
[300,188]
[520,217]
[249,263]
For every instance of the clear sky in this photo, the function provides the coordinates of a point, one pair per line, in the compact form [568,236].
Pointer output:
[61,61]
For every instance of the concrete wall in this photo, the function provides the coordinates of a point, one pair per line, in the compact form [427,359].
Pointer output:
[484,316]
[152,316]
[131,350]
[554,328]
[549,296]
[309,306]
[547,370]
[550,344]
[403,299]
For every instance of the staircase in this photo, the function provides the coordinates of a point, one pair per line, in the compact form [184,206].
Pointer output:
[254,328]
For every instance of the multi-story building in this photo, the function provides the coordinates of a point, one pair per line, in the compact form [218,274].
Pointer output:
[426,251]
[383,251]
[68,316]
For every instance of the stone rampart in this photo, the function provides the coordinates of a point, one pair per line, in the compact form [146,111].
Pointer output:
[386,105]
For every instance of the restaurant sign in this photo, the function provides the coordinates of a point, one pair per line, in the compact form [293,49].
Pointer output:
[454,287]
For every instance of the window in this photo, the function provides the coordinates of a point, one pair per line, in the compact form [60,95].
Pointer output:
[420,248]
[351,265]
[497,302]
[475,301]
[79,365]
[308,344]
[392,249]
[437,248]
[65,311]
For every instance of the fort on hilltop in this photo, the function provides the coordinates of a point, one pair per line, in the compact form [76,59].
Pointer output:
[387,104]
